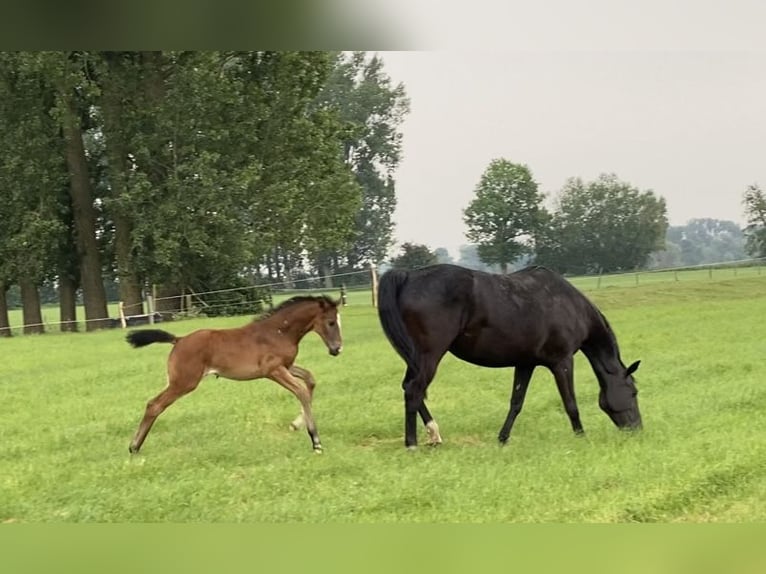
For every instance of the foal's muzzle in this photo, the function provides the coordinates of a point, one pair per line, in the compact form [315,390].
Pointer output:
[335,351]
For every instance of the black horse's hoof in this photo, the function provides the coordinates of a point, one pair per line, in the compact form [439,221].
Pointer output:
[503,440]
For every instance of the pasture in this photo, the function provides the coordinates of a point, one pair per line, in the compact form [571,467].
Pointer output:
[224,453]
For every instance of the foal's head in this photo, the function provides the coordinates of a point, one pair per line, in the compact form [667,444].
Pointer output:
[618,398]
[327,324]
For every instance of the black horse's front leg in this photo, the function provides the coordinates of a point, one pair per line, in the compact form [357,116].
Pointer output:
[521,378]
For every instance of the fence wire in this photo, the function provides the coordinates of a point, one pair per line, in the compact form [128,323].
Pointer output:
[288,287]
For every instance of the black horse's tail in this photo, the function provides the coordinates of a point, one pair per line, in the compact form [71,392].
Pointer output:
[390,316]
[148,336]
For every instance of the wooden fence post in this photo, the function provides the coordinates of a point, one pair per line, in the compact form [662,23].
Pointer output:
[343,294]
[121,309]
[150,299]
[374,274]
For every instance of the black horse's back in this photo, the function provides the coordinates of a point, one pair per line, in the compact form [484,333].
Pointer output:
[413,306]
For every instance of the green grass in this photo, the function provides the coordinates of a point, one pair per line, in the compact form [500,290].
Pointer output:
[71,403]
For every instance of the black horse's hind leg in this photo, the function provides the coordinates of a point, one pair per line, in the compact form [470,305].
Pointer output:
[564,375]
[414,395]
[521,378]
[434,438]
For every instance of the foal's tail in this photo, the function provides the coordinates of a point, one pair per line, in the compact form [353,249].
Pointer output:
[390,286]
[148,336]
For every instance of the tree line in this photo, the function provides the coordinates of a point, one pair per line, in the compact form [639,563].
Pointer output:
[191,171]
[602,226]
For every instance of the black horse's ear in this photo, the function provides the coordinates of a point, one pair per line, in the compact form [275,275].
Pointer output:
[633,368]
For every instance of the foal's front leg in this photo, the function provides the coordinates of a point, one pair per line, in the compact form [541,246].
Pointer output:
[285,378]
[307,378]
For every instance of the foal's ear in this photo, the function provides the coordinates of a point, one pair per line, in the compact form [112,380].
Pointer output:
[632,368]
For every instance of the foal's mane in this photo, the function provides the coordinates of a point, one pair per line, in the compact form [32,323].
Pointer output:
[294,301]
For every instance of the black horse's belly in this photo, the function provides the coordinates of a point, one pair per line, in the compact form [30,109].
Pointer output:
[489,348]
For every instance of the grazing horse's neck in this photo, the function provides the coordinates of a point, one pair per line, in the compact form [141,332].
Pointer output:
[602,352]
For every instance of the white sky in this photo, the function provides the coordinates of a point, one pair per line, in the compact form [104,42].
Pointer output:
[684,116]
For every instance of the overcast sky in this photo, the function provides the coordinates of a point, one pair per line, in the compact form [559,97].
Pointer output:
[689,125]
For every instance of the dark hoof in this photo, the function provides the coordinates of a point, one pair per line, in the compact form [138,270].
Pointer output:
[503,440]
[133,449]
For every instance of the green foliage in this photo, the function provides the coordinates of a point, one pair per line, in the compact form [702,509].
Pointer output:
[604,225]
[701,241]
[413,256]
[755,232]
[32,171]
[505,214]
[205,167]
[372,110]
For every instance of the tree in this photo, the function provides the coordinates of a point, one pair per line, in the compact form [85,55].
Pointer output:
[505,215]
[373,110]
[705,240]
[413,256]
[31,174]
[755,231]
[442,255]
[68,73]
[605,225]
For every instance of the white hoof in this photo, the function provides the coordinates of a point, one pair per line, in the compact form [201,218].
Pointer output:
[434,438]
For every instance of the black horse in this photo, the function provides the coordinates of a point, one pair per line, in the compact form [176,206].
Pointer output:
[528,318]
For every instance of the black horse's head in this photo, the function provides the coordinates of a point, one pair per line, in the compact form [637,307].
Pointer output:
[618,398]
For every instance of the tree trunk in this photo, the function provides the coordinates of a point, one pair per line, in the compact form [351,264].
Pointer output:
[324,263]
[68,303]
[30,304]
[116,151]
[5,325]
[94,294]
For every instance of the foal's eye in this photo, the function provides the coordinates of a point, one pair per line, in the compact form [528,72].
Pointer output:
[331,323]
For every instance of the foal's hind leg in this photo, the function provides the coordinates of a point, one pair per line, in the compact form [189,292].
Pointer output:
[283,376]
[521,378]
[307,378]
[564,375]
[182,379]
[154,408]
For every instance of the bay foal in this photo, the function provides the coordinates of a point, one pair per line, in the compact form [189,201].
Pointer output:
[264,348]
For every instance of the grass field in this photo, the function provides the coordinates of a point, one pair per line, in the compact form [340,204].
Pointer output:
[71,403]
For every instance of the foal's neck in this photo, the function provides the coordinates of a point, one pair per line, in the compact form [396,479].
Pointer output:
[294,322]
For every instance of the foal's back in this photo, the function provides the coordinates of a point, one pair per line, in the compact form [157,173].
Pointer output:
[239,353]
